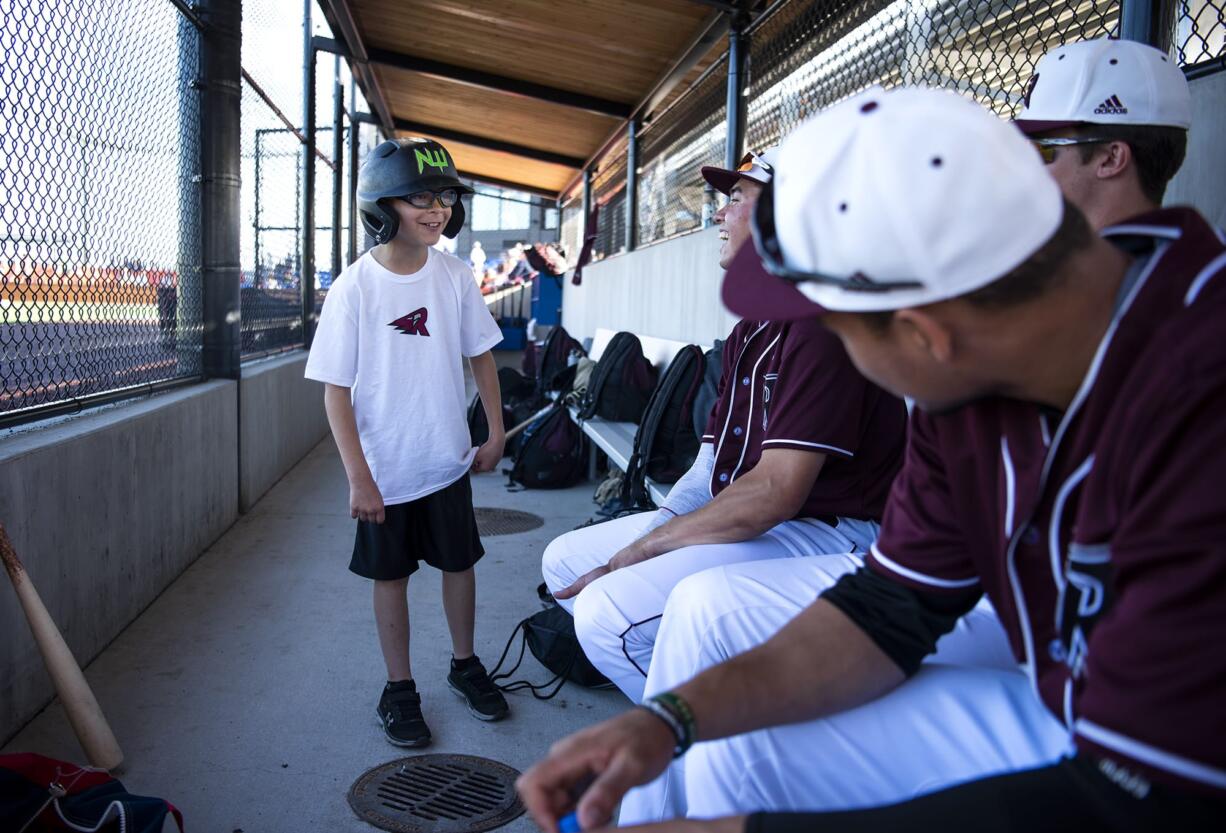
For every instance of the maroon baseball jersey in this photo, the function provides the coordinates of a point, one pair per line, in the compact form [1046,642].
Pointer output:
[791,385]
[1100,534]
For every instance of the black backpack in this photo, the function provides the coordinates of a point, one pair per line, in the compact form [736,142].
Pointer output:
[550,635]
[621,382]
[665,444]
[709,391]
[519,402]
[555,371]
[552,454]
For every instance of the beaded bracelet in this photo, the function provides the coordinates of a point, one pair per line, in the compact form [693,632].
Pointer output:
[674,711]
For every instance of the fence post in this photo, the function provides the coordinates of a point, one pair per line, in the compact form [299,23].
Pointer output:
[587,208]
[632,184]
[307,279]
[355,221]
[738,48]
[338,161]
[1136,20]
[220,144]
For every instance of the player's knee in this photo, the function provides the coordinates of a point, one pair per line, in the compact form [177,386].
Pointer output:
[553,564]
[597,622]
[699,599]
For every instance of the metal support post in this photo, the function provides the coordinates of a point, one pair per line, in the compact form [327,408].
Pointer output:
[220,148]
[738,49]
[587,207]
[632,184]
[307,277]
[338,162]
[355,222]
[1136,20]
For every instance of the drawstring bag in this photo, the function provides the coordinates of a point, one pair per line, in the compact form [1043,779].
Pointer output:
[43,794]
[550,635]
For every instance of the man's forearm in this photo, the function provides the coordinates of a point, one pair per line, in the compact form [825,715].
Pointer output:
[339,407]
[743,511]
[820,663]
[485,374]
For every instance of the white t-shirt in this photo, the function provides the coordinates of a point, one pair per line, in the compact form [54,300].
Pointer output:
[397,342]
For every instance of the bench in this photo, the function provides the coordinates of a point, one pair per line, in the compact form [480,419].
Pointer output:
[616,439]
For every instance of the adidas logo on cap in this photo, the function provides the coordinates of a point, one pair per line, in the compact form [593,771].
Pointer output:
[1111,107]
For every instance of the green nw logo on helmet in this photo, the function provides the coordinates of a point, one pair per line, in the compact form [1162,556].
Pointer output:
[434,157]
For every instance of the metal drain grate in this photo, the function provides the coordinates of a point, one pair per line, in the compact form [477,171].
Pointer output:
[437,794]
[505,521]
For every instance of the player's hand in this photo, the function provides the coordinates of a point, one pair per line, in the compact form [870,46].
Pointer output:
[572,589]
[365,502]
[629,750]
[489,454]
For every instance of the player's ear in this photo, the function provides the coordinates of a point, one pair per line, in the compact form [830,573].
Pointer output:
[1114,160]
[918,330]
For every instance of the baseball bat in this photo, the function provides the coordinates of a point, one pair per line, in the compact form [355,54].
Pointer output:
[86,716]
[529,421]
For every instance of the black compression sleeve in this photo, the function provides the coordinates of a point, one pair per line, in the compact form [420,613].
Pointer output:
[904,623]
[1072,796]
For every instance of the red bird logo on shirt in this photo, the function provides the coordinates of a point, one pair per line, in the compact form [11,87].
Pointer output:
[413,324]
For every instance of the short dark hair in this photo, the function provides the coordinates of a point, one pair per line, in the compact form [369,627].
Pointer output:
[1159,151]
[1033,277]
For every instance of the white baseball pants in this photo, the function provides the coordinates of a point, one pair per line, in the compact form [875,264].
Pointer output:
[969,712]
[618,615]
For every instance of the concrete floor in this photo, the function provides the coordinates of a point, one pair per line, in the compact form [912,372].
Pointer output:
[245,694]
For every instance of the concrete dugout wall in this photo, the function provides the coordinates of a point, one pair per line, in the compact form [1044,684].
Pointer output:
[1201,181]
[669,290]
[108,508]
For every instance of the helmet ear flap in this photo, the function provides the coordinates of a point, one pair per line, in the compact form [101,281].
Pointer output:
[457,220]
[379,223]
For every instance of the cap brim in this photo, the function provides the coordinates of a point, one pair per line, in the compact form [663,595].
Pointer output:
[754,293]
[721,179]
[1032,127]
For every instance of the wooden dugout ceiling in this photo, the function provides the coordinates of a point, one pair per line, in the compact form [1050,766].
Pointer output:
[553,78]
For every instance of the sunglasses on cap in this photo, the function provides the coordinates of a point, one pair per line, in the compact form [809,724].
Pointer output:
[752,159]
[767,240]
[1047,147]
[425,199]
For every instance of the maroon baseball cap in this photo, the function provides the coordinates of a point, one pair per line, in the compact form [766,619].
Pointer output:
[754,293]
[757,167]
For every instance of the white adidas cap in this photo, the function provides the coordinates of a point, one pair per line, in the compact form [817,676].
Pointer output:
[1105,81]
[891,200]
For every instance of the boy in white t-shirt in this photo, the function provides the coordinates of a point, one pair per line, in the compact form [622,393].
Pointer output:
[388,349]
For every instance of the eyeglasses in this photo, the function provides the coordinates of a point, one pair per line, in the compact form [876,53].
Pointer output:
[425,199]
[772,255]
[1047,147]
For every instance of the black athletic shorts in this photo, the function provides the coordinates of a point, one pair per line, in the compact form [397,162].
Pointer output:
[439,529]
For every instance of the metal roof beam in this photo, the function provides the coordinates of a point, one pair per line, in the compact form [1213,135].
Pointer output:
[489,144]
[499,83]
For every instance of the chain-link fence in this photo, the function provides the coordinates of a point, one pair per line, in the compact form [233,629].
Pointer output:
[272,186]
[1200,31]
[99,218]
[609,194]
[805,55]
[672,196]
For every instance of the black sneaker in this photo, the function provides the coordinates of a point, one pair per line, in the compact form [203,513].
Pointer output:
[470,681]
[399,714]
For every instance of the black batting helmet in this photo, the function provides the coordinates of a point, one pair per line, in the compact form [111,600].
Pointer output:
[400,167]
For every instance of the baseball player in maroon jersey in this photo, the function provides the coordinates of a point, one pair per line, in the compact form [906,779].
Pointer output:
[795,465]
[1063,460]
[1113,161]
